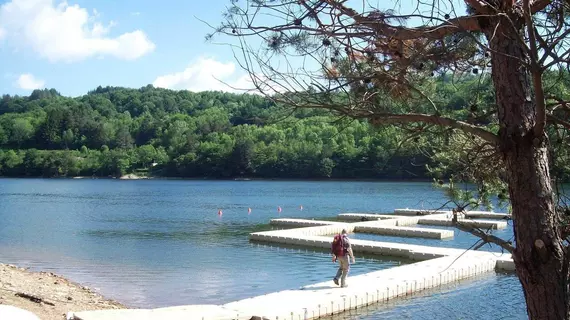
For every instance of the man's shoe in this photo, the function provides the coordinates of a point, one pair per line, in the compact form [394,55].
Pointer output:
[344,286]
[335,280]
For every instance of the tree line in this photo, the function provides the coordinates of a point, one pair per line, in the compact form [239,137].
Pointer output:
[113,131]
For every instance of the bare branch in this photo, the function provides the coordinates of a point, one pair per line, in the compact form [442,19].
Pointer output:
[437,120]
[558,59]
[549,47]
[467,23]
[482,7]
[560,103]
[555,120]
[538,5]
[488,238]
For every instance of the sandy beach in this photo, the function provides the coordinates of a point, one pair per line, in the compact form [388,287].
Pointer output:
[47,295]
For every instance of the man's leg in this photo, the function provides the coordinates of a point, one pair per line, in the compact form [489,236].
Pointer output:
[338,272]
[345,266]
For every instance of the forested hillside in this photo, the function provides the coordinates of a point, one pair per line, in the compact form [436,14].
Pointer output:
[113,131]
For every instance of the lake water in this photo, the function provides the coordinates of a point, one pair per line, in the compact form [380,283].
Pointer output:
[155,243]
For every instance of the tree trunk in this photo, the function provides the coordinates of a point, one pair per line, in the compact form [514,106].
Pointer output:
[539,257]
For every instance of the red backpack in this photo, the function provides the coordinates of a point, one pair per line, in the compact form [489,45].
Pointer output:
[338,245]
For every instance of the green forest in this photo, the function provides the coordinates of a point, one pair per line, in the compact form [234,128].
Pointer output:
[114,131]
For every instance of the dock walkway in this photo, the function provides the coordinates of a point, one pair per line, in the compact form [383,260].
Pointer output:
[382,227]
[436,266]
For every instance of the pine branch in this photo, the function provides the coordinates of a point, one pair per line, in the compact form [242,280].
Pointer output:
[466,23]
[555,120]
[538,5]
[480,7]
[387,118]
[487,238]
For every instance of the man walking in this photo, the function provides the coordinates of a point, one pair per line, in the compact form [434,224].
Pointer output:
[341,249]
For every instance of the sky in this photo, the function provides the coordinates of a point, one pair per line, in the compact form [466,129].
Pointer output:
[74,46]
[77,45]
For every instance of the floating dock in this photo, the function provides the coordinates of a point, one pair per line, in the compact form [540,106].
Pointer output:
[487,215]
[324,298]
[439,219]
[483,224]
[299,223]
[362,217]
[468,214]
[437,266]
[375,228]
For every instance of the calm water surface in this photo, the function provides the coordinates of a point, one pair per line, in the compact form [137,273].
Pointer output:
[154,243]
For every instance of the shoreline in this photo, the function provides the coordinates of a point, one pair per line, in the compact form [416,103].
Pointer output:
[136,177]
[48,295]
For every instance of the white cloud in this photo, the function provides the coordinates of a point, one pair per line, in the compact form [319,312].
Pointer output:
[2,33]
[27,81]
[63,32]
[206,74]
[209,74]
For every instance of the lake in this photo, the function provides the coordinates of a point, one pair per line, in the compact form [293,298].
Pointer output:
[156,243]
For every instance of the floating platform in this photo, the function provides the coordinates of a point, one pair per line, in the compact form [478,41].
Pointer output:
[387,219]
[299,223]
[324,298]
[487,215]
[419,212]
[440,219]
[405,231]
[321,237]
[437,266]
[375,228]
[483,224]
[468,214]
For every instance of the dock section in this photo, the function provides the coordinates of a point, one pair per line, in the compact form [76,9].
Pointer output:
[375,228]
[483,224]
[419,212]
[386,219]
[405,231]
[397,250]
[315,238]
[439,219]
[324,298]
[299,223]
[468,214]
[487,215]
[437,266]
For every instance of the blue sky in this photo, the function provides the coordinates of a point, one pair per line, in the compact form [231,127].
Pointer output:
[76,46]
